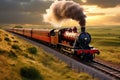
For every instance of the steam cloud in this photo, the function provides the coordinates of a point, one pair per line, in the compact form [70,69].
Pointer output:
[61,10]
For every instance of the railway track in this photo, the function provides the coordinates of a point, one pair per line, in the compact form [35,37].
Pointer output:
[115,73]
[111,71]
[95,69]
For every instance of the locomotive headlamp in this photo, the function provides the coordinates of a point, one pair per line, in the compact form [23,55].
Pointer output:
[85,38]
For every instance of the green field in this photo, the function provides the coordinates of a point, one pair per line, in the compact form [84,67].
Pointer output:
[107,40]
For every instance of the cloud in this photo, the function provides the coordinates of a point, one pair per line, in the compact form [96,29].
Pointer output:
[24,5]
[22,11]
[95,14]
[30,11]
[105,3]
[111,20]
[115,19]
[104,20]
[100,3]
[20,18]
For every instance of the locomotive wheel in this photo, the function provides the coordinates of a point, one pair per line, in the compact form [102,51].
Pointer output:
[86,57]
[61,50]
[90,57]
[49,44]
[83,57]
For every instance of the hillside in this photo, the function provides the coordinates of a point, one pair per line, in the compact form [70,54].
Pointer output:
[19,60]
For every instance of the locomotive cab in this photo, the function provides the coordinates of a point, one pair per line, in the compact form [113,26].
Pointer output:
[54,37]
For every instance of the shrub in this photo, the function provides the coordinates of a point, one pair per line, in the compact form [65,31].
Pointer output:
[7,39]
[27,56]
[2,51]
[15,41]
[0,39]
[9,43]
[14,46]
[6,34]
[30,73]
[12,37]
[18,26]
[12,54]
[32,50]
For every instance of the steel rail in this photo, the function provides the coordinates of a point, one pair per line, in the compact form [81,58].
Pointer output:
[106,69]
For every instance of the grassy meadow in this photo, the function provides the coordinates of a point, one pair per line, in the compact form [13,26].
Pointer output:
[20,60]
[107,40]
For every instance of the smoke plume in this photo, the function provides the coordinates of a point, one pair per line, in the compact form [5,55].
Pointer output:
[61,10]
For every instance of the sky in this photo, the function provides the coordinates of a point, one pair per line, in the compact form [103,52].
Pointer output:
[30,12]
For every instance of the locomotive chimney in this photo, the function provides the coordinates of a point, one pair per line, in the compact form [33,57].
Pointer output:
[82,29]
[82,23]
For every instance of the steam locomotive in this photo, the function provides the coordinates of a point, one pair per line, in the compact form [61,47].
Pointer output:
[67,40]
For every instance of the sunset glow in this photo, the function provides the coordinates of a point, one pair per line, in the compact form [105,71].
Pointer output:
[31,12]
[84,1]
[99,16]
[102,16]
